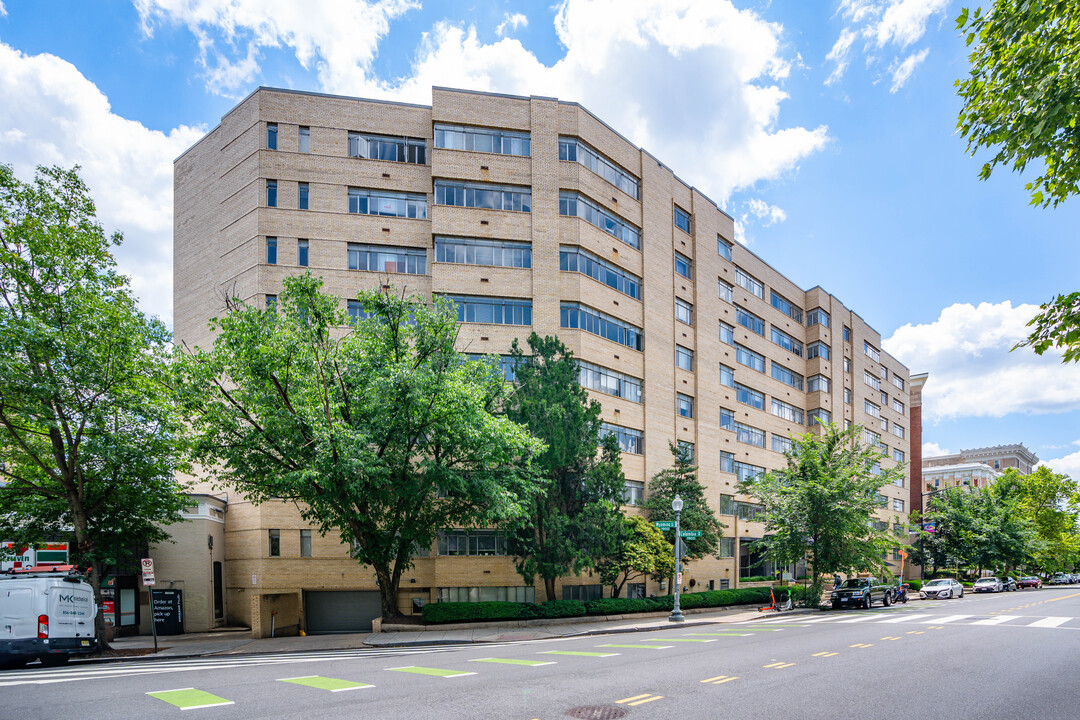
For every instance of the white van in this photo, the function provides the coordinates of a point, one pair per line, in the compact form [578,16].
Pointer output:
[46,613]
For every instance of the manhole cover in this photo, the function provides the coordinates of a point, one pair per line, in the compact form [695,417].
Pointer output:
[596,712]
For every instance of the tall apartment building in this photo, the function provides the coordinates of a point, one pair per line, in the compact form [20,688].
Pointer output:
[532,215]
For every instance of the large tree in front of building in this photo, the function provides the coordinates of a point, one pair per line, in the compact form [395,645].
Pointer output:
[575,518]
[1052,501]
[385,434]
[821,505]
[681,479]
[88,430]
[637,551]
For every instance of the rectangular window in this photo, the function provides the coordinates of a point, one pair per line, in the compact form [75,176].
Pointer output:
[684,312]
[749,358]
[684,358]
[633,492]
[357,312]
[727,419]
[379,258]
[749,282]
[847,364]
[897,431]
[782,444]
[898,481]
[749,435]
[574,150]
[884,399]
[275,542]
[574,259]
[682,219]
[305,139]
[750,321]
[685,448]
[486,140]
[847,396]
[824,416]
[788,412]
[684,405]
[786,307]
[683,265]
[492,310]
[483,196]
[630,440]
[271,193]
[898,455]
[884,424]
[745,472]
[847,334]
[727,549]
[871,409]
[727,462]
[391,149]
[271,251]
[507,365]
[898,505]
[871,380]
[817,316]
[727,333]
[305,543]
[574,205]
[487,593]
[818,383]
[727,376]
[388,204]
[788,377]
[727,292]
[818,349]
[302,253]
[581,317]
[898,381]
[871,438]
[271,136]
[302,194]
[749,396]
[723,247]
[271,302]
[871,352]
[727,504]
[476,251]
[785,341]
[609,382]
[470,542]
[583,593]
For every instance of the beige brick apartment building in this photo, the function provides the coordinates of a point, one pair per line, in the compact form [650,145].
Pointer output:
[533,215]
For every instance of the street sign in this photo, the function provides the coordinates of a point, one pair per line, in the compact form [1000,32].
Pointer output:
[148,579]
[147,565]
[690,534]
[664,524]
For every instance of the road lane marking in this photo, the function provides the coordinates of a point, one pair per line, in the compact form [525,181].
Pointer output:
[324,683]
[514,661]
[1050,622]
[916,632]
[817,620]
[890,637]
[189,698]
[640,647]
[862,645]
[825,654]
[680,640]
[758,628]
[947,619]
[905,618]
[639,699]
[577,653]
[720,679]
[996,620]
[436,672]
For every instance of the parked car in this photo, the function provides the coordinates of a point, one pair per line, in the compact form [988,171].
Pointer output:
[1008,584]
[1029,581]
[862,592]
[942,588]
[988,584]
[45,613]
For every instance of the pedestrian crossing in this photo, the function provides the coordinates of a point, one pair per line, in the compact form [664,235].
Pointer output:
[886,617]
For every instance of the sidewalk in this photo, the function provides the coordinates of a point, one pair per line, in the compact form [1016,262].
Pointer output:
[240,642]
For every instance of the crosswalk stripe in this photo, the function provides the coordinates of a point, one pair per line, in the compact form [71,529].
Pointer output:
[1050,622]
[860,618]
[905,618]
[948,619]
[996,620]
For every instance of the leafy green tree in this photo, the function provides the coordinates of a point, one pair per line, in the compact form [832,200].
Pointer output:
[385,434]
[1057,325]
[639,550]
[1053,503]
[957,532]
[575,517]
[88,432]
[1022,97]
[821,506]
[681,479]
[1007,531]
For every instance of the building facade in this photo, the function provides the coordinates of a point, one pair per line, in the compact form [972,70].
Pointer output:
[532,215]
[998,457]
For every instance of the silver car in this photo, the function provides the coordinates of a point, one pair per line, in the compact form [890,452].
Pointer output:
[989,584]
[942,588]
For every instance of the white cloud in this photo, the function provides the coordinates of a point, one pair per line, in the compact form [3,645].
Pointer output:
[881,24]
[511,23]
[972,372]
[55,116]
[930,449]
[697,82]
[762,210]
[902,72]
[3,10]
[1067,465]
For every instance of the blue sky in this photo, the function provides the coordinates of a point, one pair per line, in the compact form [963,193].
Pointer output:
[825,128]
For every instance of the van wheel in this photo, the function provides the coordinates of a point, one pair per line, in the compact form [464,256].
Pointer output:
[54,660]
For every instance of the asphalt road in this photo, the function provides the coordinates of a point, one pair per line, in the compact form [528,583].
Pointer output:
[1011,655]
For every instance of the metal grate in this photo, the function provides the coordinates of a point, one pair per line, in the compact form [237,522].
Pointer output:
[596,712]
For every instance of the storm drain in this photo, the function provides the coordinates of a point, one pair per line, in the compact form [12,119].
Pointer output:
[596,712]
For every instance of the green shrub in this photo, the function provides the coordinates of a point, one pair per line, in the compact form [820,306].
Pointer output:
[619,606]
[916,585]
[560,609]
[448,612]
[757,578]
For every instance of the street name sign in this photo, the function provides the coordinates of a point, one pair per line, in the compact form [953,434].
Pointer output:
[664,524]
[690,534]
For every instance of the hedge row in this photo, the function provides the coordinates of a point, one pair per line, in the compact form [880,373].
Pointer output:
[448,612]
[916,585]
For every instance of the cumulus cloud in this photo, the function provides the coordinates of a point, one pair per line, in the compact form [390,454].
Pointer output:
[930,449]
[3,10]
[511,23]
[972,371]
[883,25]
[769,214]
[1067,465]
[697,82]
[53,115]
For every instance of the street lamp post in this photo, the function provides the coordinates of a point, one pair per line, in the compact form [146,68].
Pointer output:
[676,611]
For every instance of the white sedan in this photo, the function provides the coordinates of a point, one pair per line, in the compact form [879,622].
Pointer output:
[942,588]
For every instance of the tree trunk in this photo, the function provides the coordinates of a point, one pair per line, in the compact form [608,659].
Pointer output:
[549,588]
[388,592]
[99,617]
[84,548]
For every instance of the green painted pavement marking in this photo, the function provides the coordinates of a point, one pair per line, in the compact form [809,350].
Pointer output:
[764,629]
[680,640]
[431,671]
[726,634]
[642,647]
[574,652]
[512,661]
[189,698]
[325,683]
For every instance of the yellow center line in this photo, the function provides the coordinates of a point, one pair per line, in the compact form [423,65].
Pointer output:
[642,702]
[721,682]
[636,697]
[718,677]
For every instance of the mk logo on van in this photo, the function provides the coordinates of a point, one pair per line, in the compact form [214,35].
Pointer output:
[73,598]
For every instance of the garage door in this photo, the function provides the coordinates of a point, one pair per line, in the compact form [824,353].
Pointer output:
[340,611]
